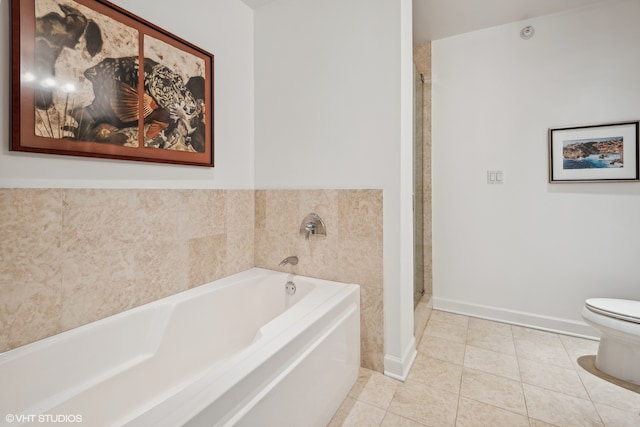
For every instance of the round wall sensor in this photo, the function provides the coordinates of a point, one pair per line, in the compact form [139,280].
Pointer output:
[527,32]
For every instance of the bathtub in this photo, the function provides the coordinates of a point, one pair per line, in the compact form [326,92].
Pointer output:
[237,351]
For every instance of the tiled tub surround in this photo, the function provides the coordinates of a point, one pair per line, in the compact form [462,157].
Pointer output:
[351,252]
[72,256]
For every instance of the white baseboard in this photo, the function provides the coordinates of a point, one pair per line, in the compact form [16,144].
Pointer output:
[520,318]
[399,368]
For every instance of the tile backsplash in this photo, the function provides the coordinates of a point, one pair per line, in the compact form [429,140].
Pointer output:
[351,252]
[73,256]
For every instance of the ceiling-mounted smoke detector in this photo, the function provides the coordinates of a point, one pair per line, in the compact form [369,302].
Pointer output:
[527,32]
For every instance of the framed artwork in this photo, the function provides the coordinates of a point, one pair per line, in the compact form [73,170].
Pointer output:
[91,79]
[598,153]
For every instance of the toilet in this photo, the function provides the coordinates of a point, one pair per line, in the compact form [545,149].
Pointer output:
[618,321]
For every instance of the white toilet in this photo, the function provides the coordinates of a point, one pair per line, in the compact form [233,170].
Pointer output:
[618,321]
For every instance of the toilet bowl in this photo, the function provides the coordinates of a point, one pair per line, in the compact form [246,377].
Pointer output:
[619,323]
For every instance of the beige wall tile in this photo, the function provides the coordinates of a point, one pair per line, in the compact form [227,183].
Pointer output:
[207,257]
[422,59]
[206,213]
[156,274]
[282,211]
[351,251]
[371,329]
[260,209]
[97,252]
[360,214]
[240,251]
[30,254]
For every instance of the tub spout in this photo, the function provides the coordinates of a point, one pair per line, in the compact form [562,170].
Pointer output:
[293,260]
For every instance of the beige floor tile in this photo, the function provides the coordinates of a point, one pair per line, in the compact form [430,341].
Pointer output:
[442,349]
[491,362]
[421,316]
[436,373]
[496,328]
[606,393]
[451,318]
[560,409]
[493,390]
[538,352]
[472,413]
[537,423]
[343,412]
[613,417]
[578,347]
[379,390]
[476,372]
[394,420]
[448,331]
[424,404]
[535,336]
[363,378]
[554,378]
[490,340]
[364,415]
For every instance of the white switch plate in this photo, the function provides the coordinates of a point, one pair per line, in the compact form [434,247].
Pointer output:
[495,177]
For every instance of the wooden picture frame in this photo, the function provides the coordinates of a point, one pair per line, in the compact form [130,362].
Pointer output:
[596,153]
[77,89]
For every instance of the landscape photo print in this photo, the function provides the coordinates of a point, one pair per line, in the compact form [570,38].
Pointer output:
[607,152]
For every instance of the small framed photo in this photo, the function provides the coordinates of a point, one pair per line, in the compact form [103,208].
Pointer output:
[598,153]
[91,79]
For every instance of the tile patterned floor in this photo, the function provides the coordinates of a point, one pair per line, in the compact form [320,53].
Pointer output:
[474,372]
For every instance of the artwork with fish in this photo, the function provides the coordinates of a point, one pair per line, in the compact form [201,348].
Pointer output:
[93,83]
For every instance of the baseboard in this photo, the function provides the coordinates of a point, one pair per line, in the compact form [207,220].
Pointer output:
[399,368]
[514,317]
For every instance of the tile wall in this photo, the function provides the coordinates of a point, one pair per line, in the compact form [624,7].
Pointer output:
[72,256]
[422,59]
[351,251]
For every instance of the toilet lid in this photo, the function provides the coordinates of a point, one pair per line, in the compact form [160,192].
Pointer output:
[622,309]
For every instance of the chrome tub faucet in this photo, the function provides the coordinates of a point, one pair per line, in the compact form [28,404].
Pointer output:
[293,260]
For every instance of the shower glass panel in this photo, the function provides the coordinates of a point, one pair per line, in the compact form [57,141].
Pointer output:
[418,202]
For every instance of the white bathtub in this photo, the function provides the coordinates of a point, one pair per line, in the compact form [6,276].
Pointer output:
[237,351]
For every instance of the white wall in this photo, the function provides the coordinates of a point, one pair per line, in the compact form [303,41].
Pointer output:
[528,251]
[329,114]
[224,28]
